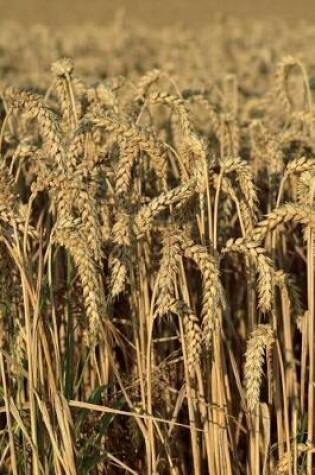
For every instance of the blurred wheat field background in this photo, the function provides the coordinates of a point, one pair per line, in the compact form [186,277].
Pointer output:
[152,12]
[157,249]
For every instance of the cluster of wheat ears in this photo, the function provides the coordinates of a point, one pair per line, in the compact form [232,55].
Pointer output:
[157,254]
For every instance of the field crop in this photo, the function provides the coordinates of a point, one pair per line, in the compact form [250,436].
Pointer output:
[157,222]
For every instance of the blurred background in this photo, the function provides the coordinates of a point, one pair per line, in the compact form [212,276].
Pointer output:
[153,12]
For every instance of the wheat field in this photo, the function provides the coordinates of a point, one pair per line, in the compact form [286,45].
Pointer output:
[157,221]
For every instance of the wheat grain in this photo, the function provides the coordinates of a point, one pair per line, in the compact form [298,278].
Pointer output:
[211,286]
[288,212]
[260,340]
[264,267]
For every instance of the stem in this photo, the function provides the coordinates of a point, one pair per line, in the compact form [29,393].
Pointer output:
[192,420]
[216,212]
[8,416]
[72,100]
[311,328]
